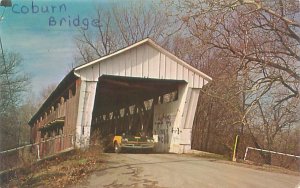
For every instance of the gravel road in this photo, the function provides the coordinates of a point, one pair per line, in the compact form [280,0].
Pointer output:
[172,170]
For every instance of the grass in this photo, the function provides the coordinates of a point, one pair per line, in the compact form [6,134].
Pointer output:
[247,164]
[208,155]
[60,171]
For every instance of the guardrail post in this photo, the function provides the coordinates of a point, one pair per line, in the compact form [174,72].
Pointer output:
[246,153]
[38,151]
[72,140]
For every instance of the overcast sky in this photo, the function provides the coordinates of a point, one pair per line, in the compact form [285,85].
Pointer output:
[47,48]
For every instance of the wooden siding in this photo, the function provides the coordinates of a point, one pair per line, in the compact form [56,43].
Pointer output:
[67,109]
[143,61]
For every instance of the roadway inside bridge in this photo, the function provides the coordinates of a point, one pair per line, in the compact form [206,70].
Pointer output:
[126,104]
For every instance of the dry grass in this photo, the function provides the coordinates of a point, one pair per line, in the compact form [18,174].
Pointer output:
[208,155]
[60,171]
[265,167]
[242,163]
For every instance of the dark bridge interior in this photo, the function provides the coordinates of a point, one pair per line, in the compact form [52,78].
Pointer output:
[125,104]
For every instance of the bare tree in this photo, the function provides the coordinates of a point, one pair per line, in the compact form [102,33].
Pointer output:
[25,112]
[138,22]
[257,43]
[260,35]
[103,41]
[118,28]
[268,123]
[13,84]
[45,93]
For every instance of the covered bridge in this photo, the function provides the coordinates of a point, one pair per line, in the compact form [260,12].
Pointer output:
[142,86]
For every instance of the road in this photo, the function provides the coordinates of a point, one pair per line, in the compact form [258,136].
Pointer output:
[171,170]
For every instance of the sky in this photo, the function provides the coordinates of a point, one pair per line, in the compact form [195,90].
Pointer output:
[46,46]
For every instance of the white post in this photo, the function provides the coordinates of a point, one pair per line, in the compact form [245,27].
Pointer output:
[246,153]
[38,151]
[72,141]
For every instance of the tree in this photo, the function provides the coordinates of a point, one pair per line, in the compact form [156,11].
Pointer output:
[120,27]
[45,93]
[25,112]
[257,42]
[13,84]
[270,123]
[260,35]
